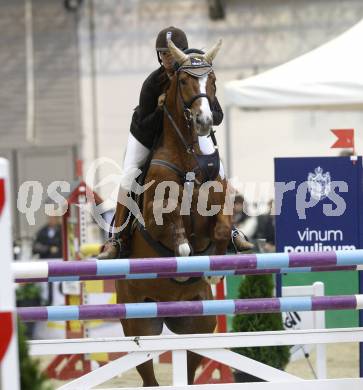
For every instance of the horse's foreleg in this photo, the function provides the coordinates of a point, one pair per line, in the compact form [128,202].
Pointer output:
[182,246]
[166,223]
[130,293]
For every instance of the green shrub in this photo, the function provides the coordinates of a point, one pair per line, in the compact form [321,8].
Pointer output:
[260,286]
[31,378]
[28,292]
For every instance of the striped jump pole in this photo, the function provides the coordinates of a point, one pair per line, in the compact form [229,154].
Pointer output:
[171,265]
[240,272]
[190,308]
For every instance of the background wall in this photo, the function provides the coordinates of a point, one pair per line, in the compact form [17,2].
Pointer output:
[257,35]
[84,97]
[40,114]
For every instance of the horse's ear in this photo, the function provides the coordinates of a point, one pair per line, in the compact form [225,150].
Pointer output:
[179,55]
[212,52]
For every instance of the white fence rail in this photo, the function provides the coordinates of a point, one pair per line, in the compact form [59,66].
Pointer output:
[141,349]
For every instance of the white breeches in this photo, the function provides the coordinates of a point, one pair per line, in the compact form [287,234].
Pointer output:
[137,153]
[135,157]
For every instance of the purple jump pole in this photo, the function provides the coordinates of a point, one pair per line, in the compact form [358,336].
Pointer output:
[189,308]
[191,274]
[172,265]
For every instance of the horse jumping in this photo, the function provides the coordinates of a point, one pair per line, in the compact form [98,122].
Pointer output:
[177,159]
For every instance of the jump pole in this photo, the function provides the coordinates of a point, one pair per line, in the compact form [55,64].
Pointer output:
[172,265]
[190,308]
[9,365]
[27,279]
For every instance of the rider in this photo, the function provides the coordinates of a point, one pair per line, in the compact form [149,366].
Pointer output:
[147,125]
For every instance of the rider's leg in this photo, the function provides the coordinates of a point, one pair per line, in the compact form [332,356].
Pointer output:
[239,239]
[135,157]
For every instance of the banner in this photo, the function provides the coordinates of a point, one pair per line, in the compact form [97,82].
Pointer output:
[319,207]
[320,203]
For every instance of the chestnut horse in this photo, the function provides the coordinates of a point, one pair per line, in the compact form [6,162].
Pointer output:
[187,115]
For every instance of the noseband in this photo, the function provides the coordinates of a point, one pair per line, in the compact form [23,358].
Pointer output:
[188,105]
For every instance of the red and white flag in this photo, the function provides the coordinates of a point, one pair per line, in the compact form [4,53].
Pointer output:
[2,195]
[6,333]
[345,138]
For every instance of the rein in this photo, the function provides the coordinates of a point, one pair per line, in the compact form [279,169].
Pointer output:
[188,148]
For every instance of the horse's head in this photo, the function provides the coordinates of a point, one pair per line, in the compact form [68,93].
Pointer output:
[195,86]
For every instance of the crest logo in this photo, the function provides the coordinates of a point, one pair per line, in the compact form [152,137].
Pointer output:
[319,184]
[196,61]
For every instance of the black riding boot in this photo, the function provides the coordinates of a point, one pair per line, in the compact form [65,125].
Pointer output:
[240,241]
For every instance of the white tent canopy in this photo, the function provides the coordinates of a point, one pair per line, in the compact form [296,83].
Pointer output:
[330,76]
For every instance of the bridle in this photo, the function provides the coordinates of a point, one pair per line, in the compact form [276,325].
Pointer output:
[189,147]
[187,105]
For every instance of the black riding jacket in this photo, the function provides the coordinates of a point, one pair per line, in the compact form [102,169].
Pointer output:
[147,120]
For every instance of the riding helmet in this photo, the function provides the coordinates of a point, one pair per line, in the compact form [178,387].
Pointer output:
[175,34]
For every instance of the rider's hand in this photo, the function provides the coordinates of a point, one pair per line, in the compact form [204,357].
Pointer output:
[161,100]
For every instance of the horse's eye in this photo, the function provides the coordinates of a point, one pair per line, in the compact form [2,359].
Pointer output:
[183,82]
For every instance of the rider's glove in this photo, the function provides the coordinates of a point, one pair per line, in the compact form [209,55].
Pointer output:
[161,100]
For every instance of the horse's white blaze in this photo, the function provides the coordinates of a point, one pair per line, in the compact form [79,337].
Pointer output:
[205,111]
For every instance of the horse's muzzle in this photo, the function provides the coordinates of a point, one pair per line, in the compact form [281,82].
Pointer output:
[203,125]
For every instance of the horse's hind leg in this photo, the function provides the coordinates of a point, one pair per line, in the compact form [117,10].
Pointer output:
[146,371]
[194,361]
[144,327]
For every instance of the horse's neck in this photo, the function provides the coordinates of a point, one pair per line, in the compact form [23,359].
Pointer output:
[172,144]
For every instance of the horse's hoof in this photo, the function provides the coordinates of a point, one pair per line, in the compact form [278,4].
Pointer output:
[184,249]
[110,250]
[106,256]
